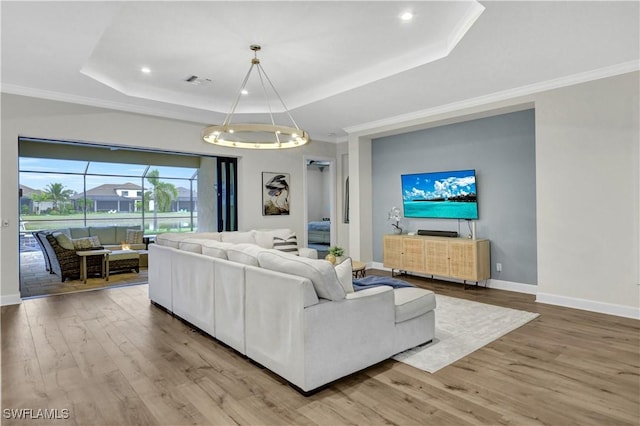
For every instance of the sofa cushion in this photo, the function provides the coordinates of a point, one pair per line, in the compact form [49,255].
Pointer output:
[320,272]
[288,244]
[238,237]
[246,254]
[215,249]
[134,236]
[411,302]
[193,245]
[64,240]
[121,232]
[172,239]
[107,234]
[77,232]
[212,236]
[344,271]
[85,243]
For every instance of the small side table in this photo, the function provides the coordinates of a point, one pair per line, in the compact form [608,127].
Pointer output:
[105,262]
[358,269]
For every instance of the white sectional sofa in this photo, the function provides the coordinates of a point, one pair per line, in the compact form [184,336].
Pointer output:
[297,316]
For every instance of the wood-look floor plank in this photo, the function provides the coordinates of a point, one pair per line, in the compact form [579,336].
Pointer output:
[111,357]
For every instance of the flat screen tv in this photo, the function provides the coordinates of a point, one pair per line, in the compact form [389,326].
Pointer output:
[441,195]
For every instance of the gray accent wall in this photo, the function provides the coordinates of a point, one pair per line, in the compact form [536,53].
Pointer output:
[502,151]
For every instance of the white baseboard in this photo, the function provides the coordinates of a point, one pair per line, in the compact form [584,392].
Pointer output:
[497,284]
[10,299]
[589,305]
[513,286]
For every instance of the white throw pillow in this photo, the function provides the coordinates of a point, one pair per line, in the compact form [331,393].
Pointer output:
[320,272]
[287,245]
[247,254]
[344,271]
[216,249]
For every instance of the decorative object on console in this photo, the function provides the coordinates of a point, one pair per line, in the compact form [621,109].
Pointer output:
[394,214]
[254,135]
[275,194]
[335,252]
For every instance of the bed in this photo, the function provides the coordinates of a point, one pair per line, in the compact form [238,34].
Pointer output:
[319,232]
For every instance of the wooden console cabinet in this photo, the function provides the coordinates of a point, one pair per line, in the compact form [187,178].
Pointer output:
[459,258]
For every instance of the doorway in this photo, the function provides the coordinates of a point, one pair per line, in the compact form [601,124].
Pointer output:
[320,220]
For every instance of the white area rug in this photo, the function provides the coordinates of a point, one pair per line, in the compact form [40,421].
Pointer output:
[463,326]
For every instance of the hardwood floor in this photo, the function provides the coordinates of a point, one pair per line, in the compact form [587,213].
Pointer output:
[109,357]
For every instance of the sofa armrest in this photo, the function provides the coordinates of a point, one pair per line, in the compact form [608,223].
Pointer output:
[308,252]
[368,292]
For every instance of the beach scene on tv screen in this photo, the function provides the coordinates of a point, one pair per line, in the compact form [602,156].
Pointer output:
[447,195]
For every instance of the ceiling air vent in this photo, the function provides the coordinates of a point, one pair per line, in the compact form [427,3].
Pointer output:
[197,81]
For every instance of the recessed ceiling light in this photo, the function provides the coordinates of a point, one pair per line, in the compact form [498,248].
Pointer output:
[407,16]
[244,92]
[145,70]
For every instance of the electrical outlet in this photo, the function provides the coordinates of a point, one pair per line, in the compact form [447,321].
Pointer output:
[499,267]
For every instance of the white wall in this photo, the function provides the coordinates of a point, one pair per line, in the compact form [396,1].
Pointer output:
[587,193]
[24,116]
[587,188]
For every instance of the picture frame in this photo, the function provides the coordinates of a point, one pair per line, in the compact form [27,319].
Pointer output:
[275,193]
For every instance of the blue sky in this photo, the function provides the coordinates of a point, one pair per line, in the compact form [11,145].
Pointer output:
[127,173]
[438,184]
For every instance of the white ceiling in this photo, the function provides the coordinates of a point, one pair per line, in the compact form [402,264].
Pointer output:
[337,65]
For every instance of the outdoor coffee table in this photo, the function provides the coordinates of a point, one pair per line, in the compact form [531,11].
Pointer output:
[105,263]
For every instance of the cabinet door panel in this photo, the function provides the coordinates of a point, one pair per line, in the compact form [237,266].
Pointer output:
[392,257]
[413,255]
[463,261]
[437,257]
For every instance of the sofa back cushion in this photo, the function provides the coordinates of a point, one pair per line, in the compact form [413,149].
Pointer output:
[320,272]
[77,232]
[236,237]
[215,249]
[246,254]
[193,245]
[172,239]
[212,236]
[107,234]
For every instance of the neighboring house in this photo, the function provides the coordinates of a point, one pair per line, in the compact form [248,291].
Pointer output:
[126,198]
[111,198]
[26,199]
[184,202]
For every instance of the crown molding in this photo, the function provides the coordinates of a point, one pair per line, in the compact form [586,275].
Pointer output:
[101,103]
[505,95]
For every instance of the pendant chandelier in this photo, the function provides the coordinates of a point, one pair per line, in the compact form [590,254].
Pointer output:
[254,135]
